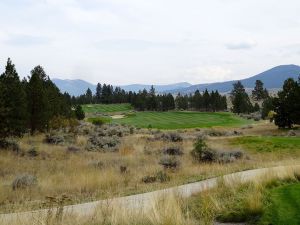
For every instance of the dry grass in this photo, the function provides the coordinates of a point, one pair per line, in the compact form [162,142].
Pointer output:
[87,176]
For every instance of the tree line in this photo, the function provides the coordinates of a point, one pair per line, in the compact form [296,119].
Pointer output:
[150,100]
[30,104]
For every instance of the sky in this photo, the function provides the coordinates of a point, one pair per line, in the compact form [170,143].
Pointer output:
[149,41]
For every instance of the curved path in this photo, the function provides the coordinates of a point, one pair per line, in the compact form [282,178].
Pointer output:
[144,201]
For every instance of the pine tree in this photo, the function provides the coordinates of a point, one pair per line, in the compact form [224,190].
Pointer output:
[37,100]
[240,99]
[13,113]
[259,93]
[89,96]
[287,105]
[98,93]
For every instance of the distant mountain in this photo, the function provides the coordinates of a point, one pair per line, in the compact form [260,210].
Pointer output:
[158,88]
[272,79]
[73,87]
[78,87]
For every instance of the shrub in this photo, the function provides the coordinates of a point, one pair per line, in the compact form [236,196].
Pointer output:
[96,143]
[149,179]
[123,169]
[54,139]
[98,122]
[79,113]
[173,137]
[202,153]
[169,162]
[73,149]
[173,151]
[24,181]
[10,145]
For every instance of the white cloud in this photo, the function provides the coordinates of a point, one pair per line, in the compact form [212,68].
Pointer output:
[248,44]
[207,74]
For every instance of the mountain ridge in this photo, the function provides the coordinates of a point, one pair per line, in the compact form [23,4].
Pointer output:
[272,79]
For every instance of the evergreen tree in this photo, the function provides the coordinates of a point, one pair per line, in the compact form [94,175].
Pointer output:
[259,93]
[151,99]
[206,100]
[98,93]
[182,102]
[240,99]
[89,96]
[37,100]
[13,113]
[287,105]
[79,113]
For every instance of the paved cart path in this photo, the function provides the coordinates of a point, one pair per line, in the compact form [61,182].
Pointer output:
[144,201]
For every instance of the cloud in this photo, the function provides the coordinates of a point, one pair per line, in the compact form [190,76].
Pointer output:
[243,45]
[26,40]
[207,74]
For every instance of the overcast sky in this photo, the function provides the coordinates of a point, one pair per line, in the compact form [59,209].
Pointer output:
[149,41]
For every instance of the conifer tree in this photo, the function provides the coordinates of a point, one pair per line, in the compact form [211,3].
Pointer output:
[13,113]
[240,99]
[259,93]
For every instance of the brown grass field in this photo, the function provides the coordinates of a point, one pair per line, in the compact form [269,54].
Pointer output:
[85,176]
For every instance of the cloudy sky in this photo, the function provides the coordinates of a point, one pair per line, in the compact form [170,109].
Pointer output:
[149,41]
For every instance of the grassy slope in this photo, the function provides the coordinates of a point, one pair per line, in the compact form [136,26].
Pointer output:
[105,108]
[268,144]
[284,206]
[178,120]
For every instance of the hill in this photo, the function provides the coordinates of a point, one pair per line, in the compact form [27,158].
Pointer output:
[272,79]
[78,87]
[73,87]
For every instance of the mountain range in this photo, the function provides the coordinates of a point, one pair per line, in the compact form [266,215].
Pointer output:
[272,79]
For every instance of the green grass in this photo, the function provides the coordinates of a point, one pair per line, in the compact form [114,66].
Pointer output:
[106,108]
[284,206]
[181,120]
[268,144]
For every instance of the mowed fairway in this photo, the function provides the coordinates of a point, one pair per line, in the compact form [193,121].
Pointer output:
[181,120]
[106,108]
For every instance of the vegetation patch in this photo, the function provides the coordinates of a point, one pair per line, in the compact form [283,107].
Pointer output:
[181,120]
[268,144]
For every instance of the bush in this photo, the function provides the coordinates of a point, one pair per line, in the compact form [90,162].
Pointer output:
[79,113]
[173,137]
[160,176]
[173,151]
[149,179]
[54,139]
[24,181]
[10,145]
[202,153]
[169,162]
[73,149]
[96,143]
